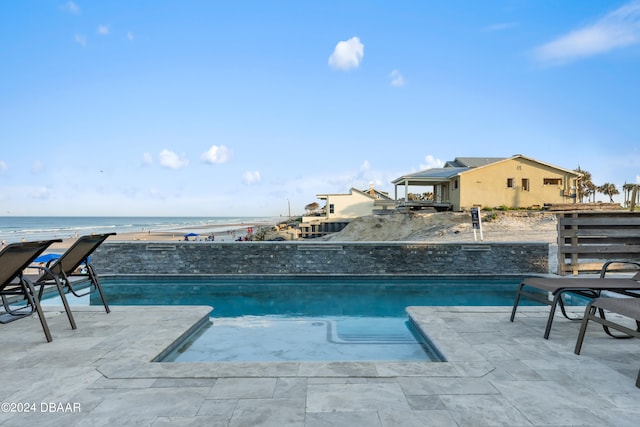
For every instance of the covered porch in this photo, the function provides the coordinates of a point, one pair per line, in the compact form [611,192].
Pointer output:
[426,189]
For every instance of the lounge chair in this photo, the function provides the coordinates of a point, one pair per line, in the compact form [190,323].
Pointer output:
[628,307]
[73,264]
[551,290]
[14,259]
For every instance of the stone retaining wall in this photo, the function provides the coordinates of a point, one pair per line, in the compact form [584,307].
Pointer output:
[320,258]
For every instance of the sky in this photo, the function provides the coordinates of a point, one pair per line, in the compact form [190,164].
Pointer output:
[253,108]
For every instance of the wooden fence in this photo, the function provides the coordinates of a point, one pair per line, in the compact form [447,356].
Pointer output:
[586,240]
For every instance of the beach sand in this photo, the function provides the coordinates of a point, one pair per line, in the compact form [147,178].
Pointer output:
[221,233]
[443,227]
[451,227]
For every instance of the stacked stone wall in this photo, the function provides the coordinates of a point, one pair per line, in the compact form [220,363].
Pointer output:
[364,258]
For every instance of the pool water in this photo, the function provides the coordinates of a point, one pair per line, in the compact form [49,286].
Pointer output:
[331,338]
[308,318]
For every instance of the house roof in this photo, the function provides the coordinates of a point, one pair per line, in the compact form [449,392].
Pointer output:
[435,175]
[461,165]
[473,162]
[377,194]
[520,156]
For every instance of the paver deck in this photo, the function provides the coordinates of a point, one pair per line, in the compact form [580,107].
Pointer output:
[497,373]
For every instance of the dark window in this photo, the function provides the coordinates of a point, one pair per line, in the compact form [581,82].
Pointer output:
[552,181]
[455,184]
[331,209]
[525,184]
[509,182]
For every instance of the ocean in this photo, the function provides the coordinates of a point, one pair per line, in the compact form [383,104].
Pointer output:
[17,228]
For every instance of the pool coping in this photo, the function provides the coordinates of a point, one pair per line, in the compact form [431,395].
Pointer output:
[428,320]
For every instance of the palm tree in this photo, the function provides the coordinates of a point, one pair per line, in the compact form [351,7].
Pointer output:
[609,190]
[631,195]
[311,208]
[628,192]
[586,187]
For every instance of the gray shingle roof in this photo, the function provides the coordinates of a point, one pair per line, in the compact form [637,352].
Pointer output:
[473,162]
[458,166]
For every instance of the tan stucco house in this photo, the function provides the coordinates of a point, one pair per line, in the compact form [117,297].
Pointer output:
[514,182]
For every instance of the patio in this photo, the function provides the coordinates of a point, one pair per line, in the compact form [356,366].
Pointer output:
[498,373]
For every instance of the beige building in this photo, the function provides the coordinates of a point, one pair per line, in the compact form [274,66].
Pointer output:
[514,182]
[339,209]
[351,205]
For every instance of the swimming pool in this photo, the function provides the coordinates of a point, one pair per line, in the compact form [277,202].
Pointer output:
[295,318]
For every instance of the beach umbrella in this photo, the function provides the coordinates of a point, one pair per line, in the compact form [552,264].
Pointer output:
[191,235]
[46,257]
[50,257]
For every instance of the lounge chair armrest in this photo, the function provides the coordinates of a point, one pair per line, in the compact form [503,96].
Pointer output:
[606,265]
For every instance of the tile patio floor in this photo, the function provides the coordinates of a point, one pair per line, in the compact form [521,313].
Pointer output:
[498,373]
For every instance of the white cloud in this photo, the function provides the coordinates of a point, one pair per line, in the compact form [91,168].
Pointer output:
[347,54]
[359,178]
[171,160]
[71,7]
[397,79]
[103,30]
[147,159]
[3,166]
[618,29]
[40,193]
[37,166]
[431,162]
[216,154]
[130,36]
[251,177]
[80,39]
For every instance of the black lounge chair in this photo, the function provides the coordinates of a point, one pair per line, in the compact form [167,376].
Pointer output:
[551,290]
[73,264]
[14,259]
[628,307]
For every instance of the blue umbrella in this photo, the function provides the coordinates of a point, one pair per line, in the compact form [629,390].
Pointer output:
[46,257]
[191,235]
[50,257]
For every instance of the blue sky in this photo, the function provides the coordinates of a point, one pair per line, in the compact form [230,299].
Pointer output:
[248,107]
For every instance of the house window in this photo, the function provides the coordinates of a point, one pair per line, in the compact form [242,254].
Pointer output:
[525,184]
[331,208]
[455,184]
[552,181]
[510,182]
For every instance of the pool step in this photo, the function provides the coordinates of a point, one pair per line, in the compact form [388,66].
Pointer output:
[364,332]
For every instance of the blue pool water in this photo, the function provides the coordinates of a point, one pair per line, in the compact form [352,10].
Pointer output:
[309,318]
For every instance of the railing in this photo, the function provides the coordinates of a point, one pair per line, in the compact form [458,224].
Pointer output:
[423,204]
[310,230]
[586,240]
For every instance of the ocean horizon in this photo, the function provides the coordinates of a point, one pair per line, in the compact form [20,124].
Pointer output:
[18,228]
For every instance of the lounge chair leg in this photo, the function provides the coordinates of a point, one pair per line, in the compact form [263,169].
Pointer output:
[515,303]
[66,305]
[94,279]
[588,312]
[63,298]
[552,312]
[33,300]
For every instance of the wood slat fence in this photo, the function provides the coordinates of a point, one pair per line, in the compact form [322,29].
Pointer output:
[586,240]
